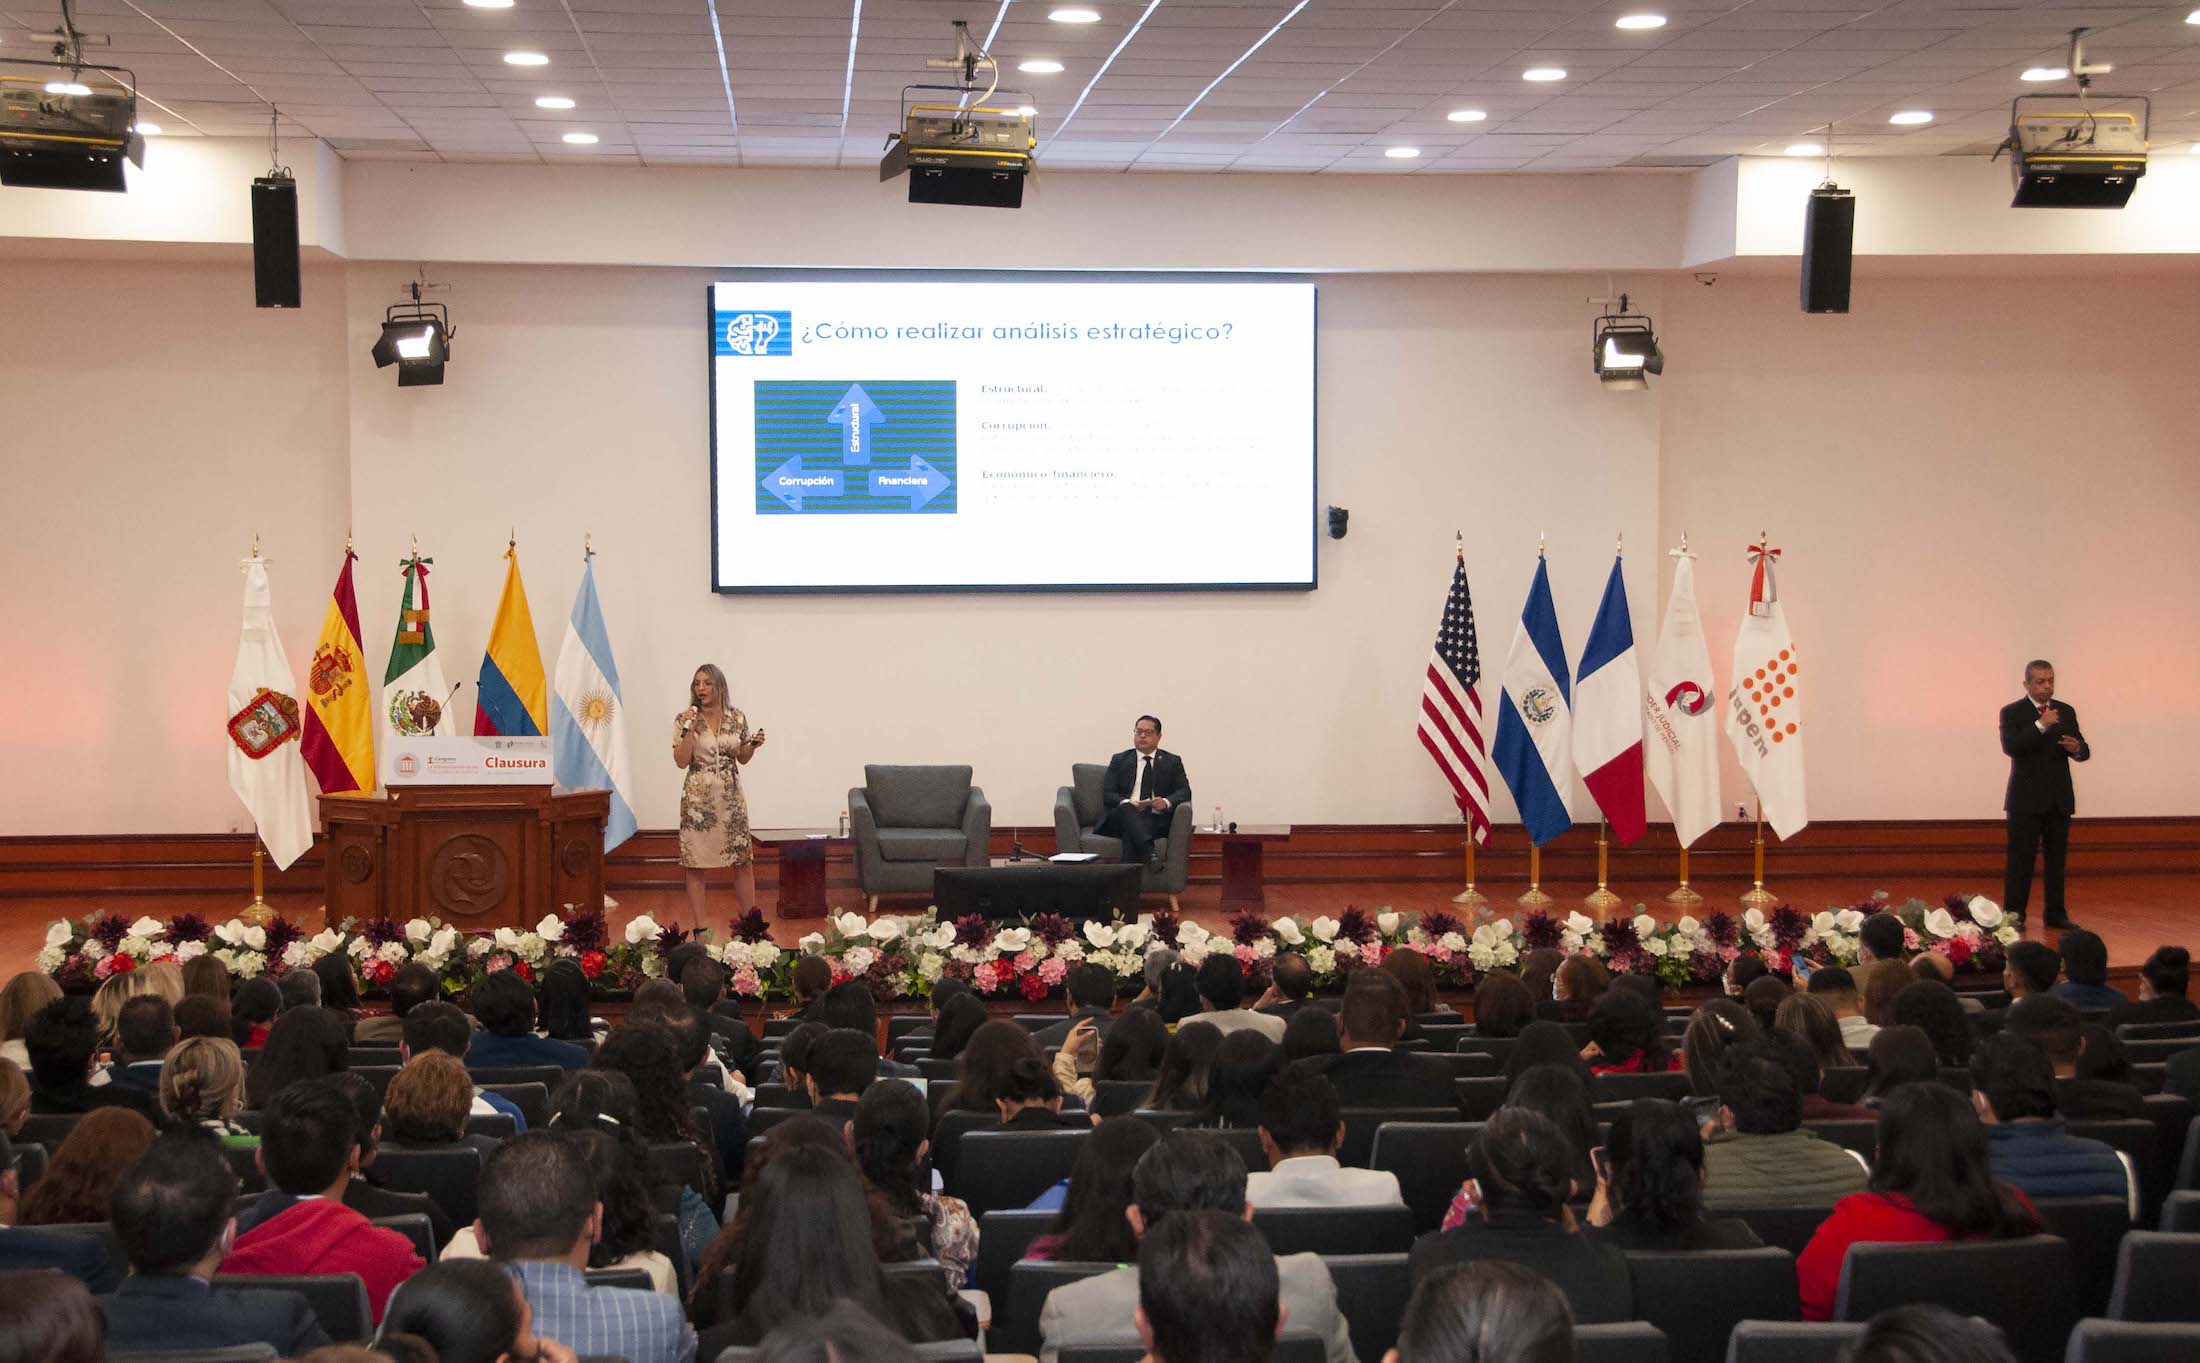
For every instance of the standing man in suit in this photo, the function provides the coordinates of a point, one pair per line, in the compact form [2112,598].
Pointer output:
[2042,739]
[1143,784]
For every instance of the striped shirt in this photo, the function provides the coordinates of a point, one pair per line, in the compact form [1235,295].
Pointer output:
[640,1327]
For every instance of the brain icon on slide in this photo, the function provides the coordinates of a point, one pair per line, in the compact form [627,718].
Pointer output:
[751,333]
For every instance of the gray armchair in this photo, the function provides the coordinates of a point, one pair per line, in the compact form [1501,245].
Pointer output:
[1077,815]
[906,820]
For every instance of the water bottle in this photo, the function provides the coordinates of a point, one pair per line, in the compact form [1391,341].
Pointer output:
[843,823]
[1218,818]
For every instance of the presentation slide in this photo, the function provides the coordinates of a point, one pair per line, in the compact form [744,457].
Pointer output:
[943,434]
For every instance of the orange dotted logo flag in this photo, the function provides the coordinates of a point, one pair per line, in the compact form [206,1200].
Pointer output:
[1764,708]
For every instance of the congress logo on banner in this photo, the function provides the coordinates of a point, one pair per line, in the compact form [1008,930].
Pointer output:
[755,333]
[267,722]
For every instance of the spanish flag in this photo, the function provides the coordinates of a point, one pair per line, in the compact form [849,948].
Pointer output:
[339,723]
[511,700]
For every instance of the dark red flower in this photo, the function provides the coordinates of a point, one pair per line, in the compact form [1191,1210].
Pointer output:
[280,934]
[1704,967]
[669,937]
[592,963]
[380,932]
[108,930]
[750,926]
[1869,905]
[523,970]
[1247,927]
[380,973]
[1539,930]
[1620,939]
[1722,927]
[1052,928]
[1959,905]
[1788,928]
[1032,986]
[1165,927]
[74,974]
[971,930]
[1958,950]
[586,931]
[1357,925]
[1438,923]
[123,963]
[189,927]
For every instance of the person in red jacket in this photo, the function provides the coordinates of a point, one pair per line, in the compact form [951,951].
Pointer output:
[308,1151]
[1931,1183]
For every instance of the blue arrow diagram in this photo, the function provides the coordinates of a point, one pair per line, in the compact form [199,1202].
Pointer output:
[920,483]
[856,414]
[790,483]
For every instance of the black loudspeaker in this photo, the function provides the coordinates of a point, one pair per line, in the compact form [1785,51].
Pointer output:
[1829,234]
[275,242]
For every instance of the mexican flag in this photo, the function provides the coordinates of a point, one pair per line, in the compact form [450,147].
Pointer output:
[413,690]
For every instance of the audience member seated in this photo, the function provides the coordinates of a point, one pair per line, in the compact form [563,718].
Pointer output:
[1803,1067]
[1744,968]
[662,1114]
[202,1083]
[20,1000]
[107,1000]
[842,1065]
[604,1100]
[307,1042]
[1133,1047]
[944,989]
[1898,1056]
[703,985]
[2163,982]
[204,976]
[1835,987]
[504,1005]
[562,999]
[627,1238]
[1486,1312]
[1650,1189]
[1579,982]
[2013,1091]
[2029,968]
[1417,977]
[852,1005]
[1290,987]
[794,1058]
[690,1028]
[1089,1225]
[62,1039]
[808,1243]
[1188,1171]
[1538,969]
[2085,974]
[79,1256]
[412,985]
[1932,1182]
[1369,1072]
[1078,1057]
[1221,983]
[427,1106]
[1810,1019]
[1502,1005]
[365,1193]
[1881,949]
[541,1216]
[1714,1028]
[1760,1155]
[1243,1066]
[300,989]
[468,1311]
[1090,992]
[46,1318]
[1310,1032]
[439,1026]
[1931,1007]
[203,1015]
[1935,966]
[1178,998]
[2103,1055]
[172,1218]
[1925,1333]
[1763,999]
[1546,1043]
[1301,1130]
[253,1010]
[1627,1036]
[1207,1291]
[339,987]
[1523,1177]
[1561,1096]
[15,1098]
[81,1176]
[959,1019]
[309,1151]
[889,1141]
[2059,1030]
[144,1034]
[1028,1099]
[807,986]
[1180,1084]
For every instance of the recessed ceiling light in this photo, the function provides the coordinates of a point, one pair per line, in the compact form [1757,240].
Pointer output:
[1639,21]
[526,59]
[1074,14]
[2193,18]
[148,129]
[552,102]
[67,87]
[1910,117]
[1806,149]
[2047,73]
[1544,73]
[1401,153]
[1039,67]
[1467,115]
[1028,110]
[488,4]
[581,139]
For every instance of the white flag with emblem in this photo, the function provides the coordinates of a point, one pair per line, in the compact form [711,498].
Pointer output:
[1680,749]
[1764,704]
[266,767]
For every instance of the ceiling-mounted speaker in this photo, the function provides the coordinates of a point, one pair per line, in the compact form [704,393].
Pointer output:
[275,242]
[1829,238]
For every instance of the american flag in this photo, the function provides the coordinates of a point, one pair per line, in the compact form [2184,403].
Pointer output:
[1451,707]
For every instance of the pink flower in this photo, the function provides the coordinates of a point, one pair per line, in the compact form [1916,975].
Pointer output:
[118,964]
[746,983]
[1909,939]
[1025,962]
[1244,953]
[1052,969]
[1439,953]
[987,977]
[498,960]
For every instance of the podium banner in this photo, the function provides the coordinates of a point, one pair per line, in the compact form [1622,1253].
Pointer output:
[460,760]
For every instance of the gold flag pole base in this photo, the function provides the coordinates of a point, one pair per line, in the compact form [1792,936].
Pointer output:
[1681,894]
[1471,898]
[1534,898]
[257,913]
[1603,901]
[1601,898]
[1759,897]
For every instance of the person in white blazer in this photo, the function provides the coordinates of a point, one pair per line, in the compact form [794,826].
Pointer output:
[1301,1129]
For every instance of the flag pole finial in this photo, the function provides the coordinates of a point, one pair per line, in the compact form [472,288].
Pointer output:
[255,544]
[1459,544]
[588,546]
[511,539]
[1619,543]
[1539,544]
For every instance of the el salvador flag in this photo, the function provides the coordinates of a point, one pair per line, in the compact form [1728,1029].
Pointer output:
[587,718]
[1534,747]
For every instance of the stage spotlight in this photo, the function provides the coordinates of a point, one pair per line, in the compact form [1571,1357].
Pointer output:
[416,337]
[1623,349]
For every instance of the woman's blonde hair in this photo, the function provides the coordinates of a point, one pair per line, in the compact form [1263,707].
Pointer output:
[107,1002]
[206,975]
[15,1097]
[23,996]
[202,1080]
[428,1101]
[164,978]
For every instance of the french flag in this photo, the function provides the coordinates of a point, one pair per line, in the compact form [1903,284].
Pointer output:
[1532,750]
[1608,714]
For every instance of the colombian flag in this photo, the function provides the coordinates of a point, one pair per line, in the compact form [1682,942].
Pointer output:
[339,723]
[511,700]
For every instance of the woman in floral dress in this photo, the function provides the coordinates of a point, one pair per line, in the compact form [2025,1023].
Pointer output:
[710,740]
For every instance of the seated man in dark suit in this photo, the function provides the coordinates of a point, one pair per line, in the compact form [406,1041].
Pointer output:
[2163,982]
[171,1213]
[2085,974]
[504,1005]
[82,1257]
[1290,981]
[851,1004]
[1091,991]
[1367,1072]
[2059,1030]
[63,1042]
[1207,1289]
[145,1032]
[842,1065]
[1142,787]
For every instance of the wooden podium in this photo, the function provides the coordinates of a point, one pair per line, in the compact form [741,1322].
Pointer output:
[475,856]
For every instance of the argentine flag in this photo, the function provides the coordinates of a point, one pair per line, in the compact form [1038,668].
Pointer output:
[587,723]
[1534,747]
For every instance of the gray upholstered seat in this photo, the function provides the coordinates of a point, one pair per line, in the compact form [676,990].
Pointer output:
[1077,814]
[906,820]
